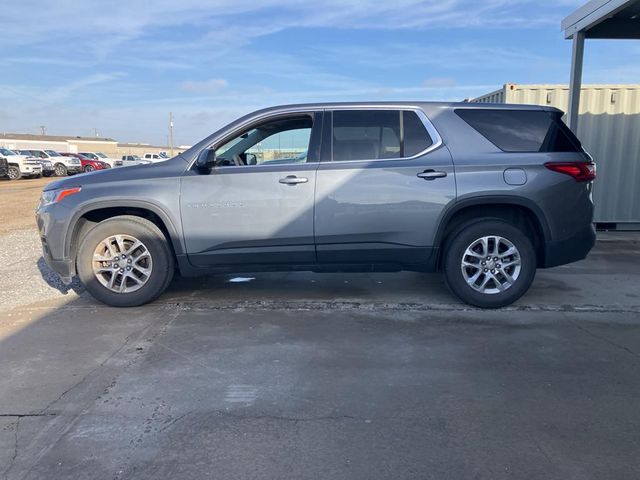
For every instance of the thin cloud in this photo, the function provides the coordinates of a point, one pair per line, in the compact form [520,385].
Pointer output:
[212,85]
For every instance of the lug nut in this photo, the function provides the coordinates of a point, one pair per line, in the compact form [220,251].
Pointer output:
[121,270]
[129,261]
[493,271]
[498,266]
[484,263]
[124,256]
[486,270]
[495,259]
[128,268]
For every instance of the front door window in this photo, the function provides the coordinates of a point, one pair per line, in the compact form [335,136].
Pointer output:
[277,142]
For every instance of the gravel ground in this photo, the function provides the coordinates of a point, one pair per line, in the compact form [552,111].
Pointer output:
[24,277]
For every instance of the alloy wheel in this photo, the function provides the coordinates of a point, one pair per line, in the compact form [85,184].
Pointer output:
[122,263]
[491,264]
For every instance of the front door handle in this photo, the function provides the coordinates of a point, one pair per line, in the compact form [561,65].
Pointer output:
[431,174]
[293,180]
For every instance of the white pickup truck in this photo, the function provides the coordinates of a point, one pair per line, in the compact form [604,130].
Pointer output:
[21,165]
[61,165]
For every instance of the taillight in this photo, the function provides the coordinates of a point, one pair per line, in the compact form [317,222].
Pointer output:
[580,171]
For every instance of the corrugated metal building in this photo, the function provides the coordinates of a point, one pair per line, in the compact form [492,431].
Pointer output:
[609,127]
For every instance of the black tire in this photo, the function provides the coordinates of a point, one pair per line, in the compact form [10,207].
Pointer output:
[464,237]
[60,169]
[155,242]
[89,168]
[14,173]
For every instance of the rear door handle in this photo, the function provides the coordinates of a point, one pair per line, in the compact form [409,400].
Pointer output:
[432,174]
[293,180]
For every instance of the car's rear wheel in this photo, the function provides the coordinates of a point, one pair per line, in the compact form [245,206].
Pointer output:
[14,173]
[489,263]
[125,261]
[89,168]
[60,170]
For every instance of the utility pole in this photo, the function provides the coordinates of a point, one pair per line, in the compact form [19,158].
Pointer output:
[171,132]
[95,132]
[43,130]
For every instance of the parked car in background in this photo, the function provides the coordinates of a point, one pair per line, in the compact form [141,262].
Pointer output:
[484,193]
[88,164]
[21,165]
[62,165]
[47,165]
[101,157]
[128,160]
[4,168]
[156,157]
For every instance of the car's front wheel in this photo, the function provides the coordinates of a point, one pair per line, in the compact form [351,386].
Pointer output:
[14,173]
[60,170]
[489,263]
[125,261]
[89,168]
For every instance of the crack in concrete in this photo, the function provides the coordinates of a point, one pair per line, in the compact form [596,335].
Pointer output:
[23,415]
[160,329]
[97,367]
[606,340]
[15,450]
[401,306]
[320,305]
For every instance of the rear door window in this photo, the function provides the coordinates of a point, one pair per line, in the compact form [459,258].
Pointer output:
[416,138]
[522,130]
[377,135]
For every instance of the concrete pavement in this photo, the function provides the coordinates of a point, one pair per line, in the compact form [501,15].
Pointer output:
[330,376]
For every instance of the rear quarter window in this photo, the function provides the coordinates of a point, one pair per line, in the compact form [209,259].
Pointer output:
[522,130]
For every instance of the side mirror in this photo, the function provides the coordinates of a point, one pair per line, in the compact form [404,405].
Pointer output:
[206,159]
[251,159]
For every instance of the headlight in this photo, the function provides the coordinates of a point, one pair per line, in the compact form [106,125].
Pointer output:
[54,196]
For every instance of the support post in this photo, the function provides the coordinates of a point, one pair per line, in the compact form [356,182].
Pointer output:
[575,81]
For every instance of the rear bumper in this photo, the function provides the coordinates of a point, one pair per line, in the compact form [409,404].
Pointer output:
[572,249]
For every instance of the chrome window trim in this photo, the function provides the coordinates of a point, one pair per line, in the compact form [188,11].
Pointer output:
[431,130]
[248,123]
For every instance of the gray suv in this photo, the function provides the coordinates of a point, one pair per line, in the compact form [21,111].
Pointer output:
[484,193]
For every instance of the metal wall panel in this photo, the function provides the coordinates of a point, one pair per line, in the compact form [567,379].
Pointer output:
[609,127]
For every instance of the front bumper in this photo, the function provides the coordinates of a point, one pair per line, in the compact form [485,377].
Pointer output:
[74,169]
[571,249]
[52,228]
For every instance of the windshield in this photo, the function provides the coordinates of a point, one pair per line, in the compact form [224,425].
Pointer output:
[38,153]
[52,153]
[101,155]
[7,152]
[92,156]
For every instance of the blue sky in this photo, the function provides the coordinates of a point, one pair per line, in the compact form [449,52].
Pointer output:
[121,67]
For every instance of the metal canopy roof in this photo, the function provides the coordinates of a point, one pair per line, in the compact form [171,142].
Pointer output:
[615,19]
